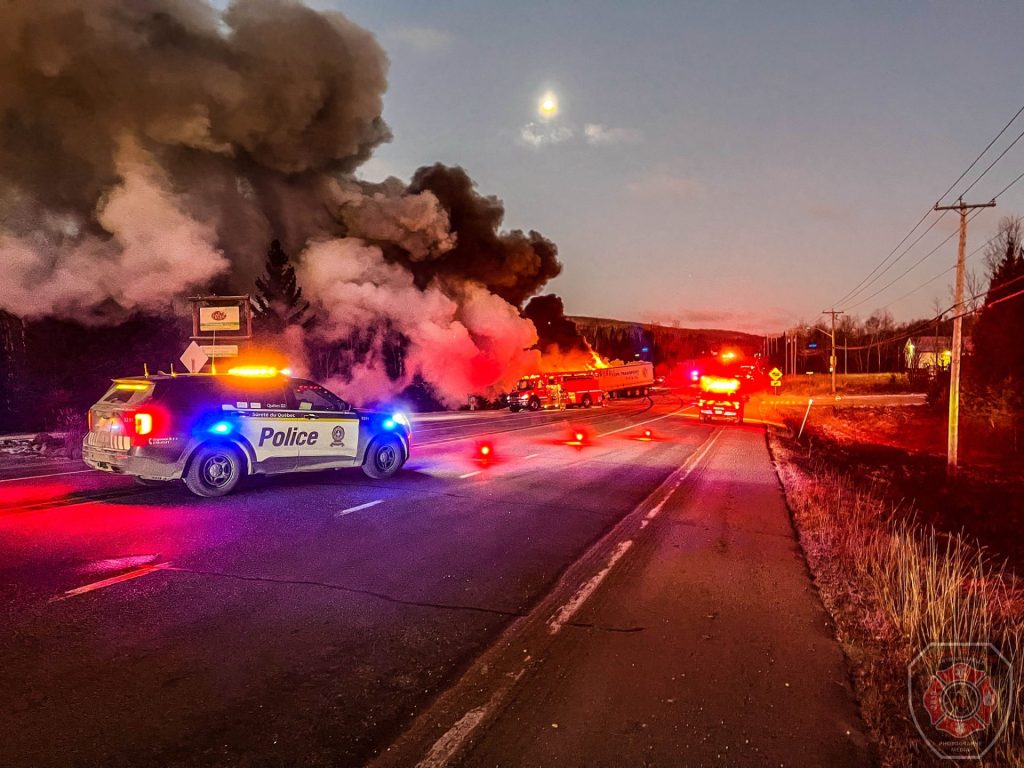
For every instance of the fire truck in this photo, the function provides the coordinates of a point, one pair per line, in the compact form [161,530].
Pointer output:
[720,398]
[584,389]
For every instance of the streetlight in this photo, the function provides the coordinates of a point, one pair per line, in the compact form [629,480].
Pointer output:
[832,353]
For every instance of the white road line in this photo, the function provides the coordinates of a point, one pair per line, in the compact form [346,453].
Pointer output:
[566,611]
[144,570]
[470,474]
[55,474]
[531,456]
[350,510]
[448,745]
[581,595]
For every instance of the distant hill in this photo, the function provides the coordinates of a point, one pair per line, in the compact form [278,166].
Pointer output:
[624,340]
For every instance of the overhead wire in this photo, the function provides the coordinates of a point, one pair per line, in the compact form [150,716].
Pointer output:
[872,276]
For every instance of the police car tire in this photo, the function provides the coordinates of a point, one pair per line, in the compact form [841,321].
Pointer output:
[383,458]
[214,471]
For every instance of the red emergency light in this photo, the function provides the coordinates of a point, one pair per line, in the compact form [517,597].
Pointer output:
[484,453]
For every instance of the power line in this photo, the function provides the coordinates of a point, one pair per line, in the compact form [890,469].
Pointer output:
[867,281]
[924,324]
[1000,157]
[947,270]
[1000,192]
[905,272]
[986,149]
[932,251]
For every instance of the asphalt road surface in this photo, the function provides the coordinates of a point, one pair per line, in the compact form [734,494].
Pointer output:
[331,620]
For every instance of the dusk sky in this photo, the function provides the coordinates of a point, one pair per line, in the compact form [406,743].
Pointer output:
[745,165]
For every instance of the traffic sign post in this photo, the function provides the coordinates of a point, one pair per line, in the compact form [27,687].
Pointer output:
[193,358]
[776,376]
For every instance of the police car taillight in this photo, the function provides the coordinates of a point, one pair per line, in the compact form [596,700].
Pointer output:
[143,423]
[146,423]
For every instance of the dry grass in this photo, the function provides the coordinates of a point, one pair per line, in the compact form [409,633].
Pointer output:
[894,587]
[72,427]
[850,384]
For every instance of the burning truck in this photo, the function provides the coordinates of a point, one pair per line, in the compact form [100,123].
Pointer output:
[583,389]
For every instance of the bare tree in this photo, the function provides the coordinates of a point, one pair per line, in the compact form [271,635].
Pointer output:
[974,290]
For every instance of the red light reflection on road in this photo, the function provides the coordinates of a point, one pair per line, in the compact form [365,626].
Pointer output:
[578,437]
[15,496]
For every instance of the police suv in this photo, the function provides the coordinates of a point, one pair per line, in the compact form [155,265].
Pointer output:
[213,430]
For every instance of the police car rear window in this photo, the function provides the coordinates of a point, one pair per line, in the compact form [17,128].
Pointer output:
[125,395]
[118,396]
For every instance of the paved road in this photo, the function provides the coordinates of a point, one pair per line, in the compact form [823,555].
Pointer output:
[706,646]
[305,620]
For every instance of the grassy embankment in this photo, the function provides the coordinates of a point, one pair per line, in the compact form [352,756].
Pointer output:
[904,558]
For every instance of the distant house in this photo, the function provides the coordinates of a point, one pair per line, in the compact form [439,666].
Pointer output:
[924,352]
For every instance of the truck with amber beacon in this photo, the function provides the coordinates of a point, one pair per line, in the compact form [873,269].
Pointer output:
[582,389]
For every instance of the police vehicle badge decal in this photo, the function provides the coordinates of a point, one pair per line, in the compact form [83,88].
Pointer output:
[338,437]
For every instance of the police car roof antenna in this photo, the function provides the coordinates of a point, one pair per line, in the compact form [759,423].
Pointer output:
[145,370]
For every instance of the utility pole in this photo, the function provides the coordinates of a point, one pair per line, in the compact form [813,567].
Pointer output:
[953,435]
[832,353]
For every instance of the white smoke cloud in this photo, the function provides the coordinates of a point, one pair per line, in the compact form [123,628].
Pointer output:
[463,339]
[153,252]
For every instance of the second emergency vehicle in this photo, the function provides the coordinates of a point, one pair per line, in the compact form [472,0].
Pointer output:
[720,397]
[565,389]
[556,390]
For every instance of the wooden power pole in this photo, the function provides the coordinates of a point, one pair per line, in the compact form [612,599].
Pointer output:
[832,353]
[953,434]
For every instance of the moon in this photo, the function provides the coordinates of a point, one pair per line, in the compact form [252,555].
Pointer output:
[548,105]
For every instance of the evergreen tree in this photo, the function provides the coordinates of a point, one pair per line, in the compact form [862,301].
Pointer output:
[997,335]
[278,302]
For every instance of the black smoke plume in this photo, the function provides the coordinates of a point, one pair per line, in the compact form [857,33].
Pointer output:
[153,149]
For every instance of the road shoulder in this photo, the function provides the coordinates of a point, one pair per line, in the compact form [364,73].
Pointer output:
[708,643]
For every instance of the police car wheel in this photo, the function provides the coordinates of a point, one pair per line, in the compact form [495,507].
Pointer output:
[215,471]
[383,459]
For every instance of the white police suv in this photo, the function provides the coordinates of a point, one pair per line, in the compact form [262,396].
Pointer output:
[213,430]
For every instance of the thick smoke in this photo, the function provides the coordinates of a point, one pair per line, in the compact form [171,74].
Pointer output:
[226,119]
[559,339]
[152,149]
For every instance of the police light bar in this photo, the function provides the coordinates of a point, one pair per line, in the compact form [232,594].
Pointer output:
[132,386]
[719,385]
[258,371]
